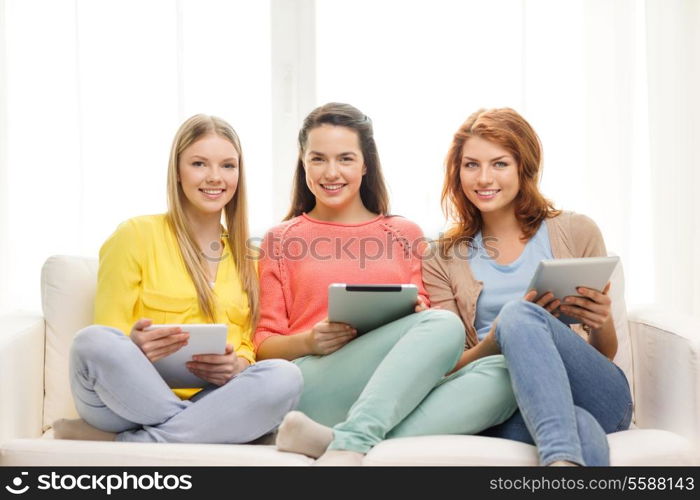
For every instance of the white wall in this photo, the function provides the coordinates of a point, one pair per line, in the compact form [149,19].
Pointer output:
[91,94]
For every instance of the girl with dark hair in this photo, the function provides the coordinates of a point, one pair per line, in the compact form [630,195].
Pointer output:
[569,392]
[389,382]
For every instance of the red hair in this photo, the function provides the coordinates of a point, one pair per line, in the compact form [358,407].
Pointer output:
[506,128]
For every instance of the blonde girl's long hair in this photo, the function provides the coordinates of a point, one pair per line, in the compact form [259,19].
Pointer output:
[235,213]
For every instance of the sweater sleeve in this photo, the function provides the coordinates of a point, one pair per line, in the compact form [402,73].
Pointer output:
[588,239]
[118,278]
[437,281]
[274,319]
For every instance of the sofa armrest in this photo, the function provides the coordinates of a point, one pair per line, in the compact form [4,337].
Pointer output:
[21,375]
[666,357]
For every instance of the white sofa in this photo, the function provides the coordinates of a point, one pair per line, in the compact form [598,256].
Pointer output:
[659,352]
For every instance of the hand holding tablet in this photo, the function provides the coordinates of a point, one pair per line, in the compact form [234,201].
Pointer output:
[156,343]
[326,337]
[203,339]
[366,307]
[563,278]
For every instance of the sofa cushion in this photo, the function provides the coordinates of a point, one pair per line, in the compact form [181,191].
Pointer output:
[58,452]
[634,447]
[627,448]
[21,375]
[68,287]
[650,447]
[451,450]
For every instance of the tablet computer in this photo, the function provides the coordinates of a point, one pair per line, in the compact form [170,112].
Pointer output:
[204,339]
[366,307]
[563,276]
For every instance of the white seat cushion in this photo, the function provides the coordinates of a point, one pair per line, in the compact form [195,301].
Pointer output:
[451,450]
[58,452]
[633,447]
[627,448]
[650,447]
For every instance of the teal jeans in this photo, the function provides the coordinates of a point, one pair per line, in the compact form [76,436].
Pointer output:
[391,383]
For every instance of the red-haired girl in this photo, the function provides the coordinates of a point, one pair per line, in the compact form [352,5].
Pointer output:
[569,392]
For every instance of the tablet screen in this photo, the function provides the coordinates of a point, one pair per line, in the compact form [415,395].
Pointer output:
[366,307]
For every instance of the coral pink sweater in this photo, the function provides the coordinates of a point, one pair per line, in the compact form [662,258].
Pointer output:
[302,256]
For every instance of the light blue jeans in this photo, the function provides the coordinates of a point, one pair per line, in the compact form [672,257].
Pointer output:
[391,383]
[117,389]
[568,393]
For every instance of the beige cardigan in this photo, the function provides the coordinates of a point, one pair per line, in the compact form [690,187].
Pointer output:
[449,281]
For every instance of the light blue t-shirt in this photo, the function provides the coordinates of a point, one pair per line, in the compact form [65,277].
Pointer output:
[505,283]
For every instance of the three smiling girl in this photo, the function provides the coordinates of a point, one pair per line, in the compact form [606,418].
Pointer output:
[472,358]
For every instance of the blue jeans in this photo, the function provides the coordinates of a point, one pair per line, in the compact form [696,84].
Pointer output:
[117,389]
[568,393]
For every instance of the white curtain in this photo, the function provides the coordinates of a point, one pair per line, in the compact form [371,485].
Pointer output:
[94,92]
[91,92]
[673,54]
[606,83]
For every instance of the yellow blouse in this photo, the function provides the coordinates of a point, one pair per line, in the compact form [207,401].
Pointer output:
[142,275]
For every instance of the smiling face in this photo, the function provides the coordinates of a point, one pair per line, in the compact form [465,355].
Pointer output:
[208,174]
[489,176]
[334,168]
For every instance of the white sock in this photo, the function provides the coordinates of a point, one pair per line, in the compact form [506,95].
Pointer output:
[299,434]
